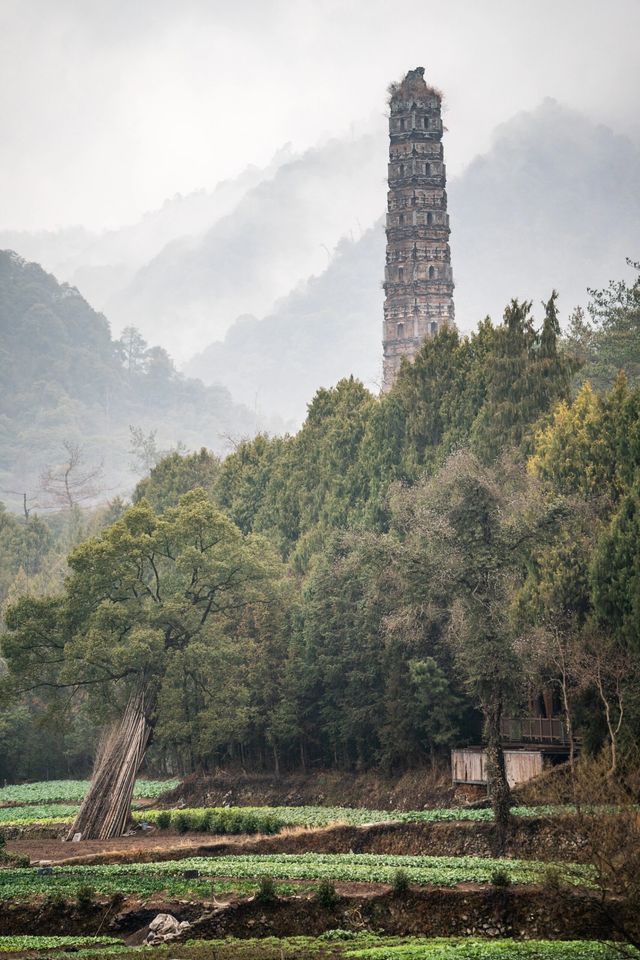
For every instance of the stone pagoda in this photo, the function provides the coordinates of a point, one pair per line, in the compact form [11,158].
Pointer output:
[418,282]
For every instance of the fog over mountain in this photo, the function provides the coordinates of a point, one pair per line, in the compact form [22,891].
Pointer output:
[281,231]
[280,270]
[555,203]
[102,264]
[326,329]
[108,108]
[185,273]
[67,381]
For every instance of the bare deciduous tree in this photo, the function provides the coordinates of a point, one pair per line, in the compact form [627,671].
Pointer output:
[605,829]
[28,502]
[550,655]
[71,482]
[606,666]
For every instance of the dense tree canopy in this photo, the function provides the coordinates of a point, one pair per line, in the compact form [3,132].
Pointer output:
[609,341]
[145,589]
[383,584]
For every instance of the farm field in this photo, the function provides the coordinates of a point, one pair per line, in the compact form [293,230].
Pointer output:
[57,791]
[192,877]
[334,945]
[224,820]
[283,871]
[34,943]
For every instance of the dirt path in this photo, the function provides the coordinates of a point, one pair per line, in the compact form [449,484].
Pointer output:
[138,847]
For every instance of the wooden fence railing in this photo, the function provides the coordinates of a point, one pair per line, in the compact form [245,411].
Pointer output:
[534,730]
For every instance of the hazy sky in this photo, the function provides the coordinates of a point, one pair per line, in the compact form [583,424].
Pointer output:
[109,106]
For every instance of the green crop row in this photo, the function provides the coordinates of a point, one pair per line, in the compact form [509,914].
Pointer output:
[19,943]
[342,944]
[225,820]
[323,816]
[177,877]
[468,949]
[37,813]
[52,791]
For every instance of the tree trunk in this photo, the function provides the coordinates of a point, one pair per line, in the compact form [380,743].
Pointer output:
[499,789]
[106,809]
[568,722]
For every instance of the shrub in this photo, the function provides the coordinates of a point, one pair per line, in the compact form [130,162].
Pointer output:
[326,894]
[201,821]
[400,883]
[235,822]
[163,820]
[500,878]
[54,900]
[249,822]
[180,822]
[267,890]
[269,824]
[85,896]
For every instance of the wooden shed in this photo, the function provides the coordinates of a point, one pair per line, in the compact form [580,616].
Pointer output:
[468,765]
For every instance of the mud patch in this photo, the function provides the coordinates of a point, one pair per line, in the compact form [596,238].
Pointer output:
[108,917]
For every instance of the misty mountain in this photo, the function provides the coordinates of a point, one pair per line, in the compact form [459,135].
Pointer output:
[103,263]
[555,202]
[281,232]
[185,272]
[65,379]
[328,327]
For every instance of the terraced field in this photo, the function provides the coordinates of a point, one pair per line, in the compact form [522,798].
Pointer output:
[22,943]
[349,900]
[225,820]
[483,950]
[193,877]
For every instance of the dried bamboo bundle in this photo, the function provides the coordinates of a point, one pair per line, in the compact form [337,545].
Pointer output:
[105,810]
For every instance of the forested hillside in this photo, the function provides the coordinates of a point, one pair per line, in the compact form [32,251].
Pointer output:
[398,574]
[65,380]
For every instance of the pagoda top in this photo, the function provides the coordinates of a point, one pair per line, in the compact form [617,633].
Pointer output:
[413,85]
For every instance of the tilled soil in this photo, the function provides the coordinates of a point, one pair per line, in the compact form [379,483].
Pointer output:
[531,838]
[138,847]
